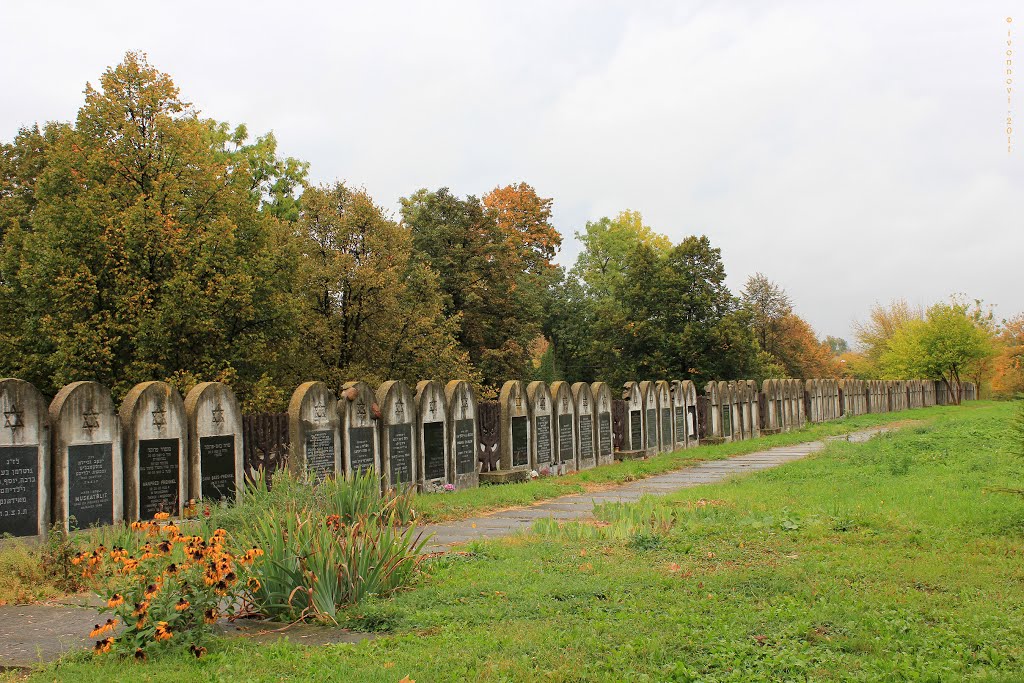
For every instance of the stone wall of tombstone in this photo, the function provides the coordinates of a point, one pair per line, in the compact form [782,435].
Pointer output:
[82,462]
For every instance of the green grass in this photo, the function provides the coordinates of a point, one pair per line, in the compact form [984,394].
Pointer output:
[889,560]
[438,507]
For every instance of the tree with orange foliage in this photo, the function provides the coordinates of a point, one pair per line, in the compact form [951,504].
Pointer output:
[1008,366]
[524,220]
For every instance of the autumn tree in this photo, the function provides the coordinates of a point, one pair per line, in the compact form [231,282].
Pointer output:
[768,304]
[135,246]
[945,345]
[607,243]
[370,310]
[883,322]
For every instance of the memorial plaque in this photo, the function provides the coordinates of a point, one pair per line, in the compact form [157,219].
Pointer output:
[433,450]
[543,424]
[779,422]
[666,426]
[680,422]
[565,437]
[360,441]
[652,427]
[727,421]
[465,449]
[520,445]
[636,430]
[400,451]
[604,433]
[586,437]
[320,453]
[19,490]
[691,421]
[217,458]
[90,484]
[158,477]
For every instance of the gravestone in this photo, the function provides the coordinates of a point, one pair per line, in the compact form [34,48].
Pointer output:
[399,450]
[155,465]
[666,424]
[24,461]
[678,414]
[214,443]
[516,444]
[714,428]
[586,426]
[634,399]
[651,417]
[728,400]
[755,408]
[603,412]
[314,451]
[692,421]
[432,431]
[85,440]
[464,436]
[542,428]
[359,412]
[565,427]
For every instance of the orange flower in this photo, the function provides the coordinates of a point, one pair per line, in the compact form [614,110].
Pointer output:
[140,654]
[115,600]
[253,584]
[160,516]
[182,605]
[99,629]
[140,609]
[103,646]
[162,632]
[197,650]
[151,590]
[210,615]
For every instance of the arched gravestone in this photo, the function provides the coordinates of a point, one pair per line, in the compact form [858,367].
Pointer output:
[464,439]
[769,388]
[214,443]
[24,460]
[603,411]
[801,402]
[755,408]
[155,465]
[715,429]
[692,430]
[359,412]
[678,413]
[666,424]
[728,422]
[314,449]
[516,431]
[794,397]
[745,398]
[586,426]
[565,427]
[735,409]
[811,398]
[432,435]
[86,443]
[633,397]
[399,451]
[542,427]
[650,399]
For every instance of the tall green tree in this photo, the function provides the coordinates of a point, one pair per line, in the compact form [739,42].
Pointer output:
[138,248]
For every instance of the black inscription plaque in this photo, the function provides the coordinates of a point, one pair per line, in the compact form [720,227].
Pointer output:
[158,476]
[604,433]
[543,426]
[400,452]
[320,453]
[360,448]
[465,449]
[680,423]
[433,450]
[586,437]
[90,484]
[19,490]
[217,467]
[565,434]
[652,427]
[666,426]
[636,430]
[726,421]
[779,420]
[520,442]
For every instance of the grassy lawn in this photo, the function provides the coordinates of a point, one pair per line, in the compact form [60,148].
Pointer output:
[887,560]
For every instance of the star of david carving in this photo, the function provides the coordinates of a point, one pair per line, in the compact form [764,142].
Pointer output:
[361,410]
[159,416]
[218,414]
[399,409]
[14,418]
[465,405]
[319,411]
[519,401]
[585,401]
[433,405]
[543,403]
[565,404]
[90,420]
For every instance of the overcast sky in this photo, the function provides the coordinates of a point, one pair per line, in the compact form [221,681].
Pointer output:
[852,151]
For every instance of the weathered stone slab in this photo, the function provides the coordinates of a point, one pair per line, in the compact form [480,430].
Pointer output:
[154,441]
[215,458]
[464,436]
[313,429]
[360,440]
[24,461]
[399,449]
[565,426]
[542,428]
[603,421]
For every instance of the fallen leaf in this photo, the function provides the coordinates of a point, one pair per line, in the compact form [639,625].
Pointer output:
[586,567]
[673,567]
[473,525]
[583,553]
[407,680]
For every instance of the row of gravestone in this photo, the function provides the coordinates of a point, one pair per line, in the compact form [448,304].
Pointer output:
[80,461]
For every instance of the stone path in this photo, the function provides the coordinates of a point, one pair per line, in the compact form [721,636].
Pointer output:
[30,634]
[581,506]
